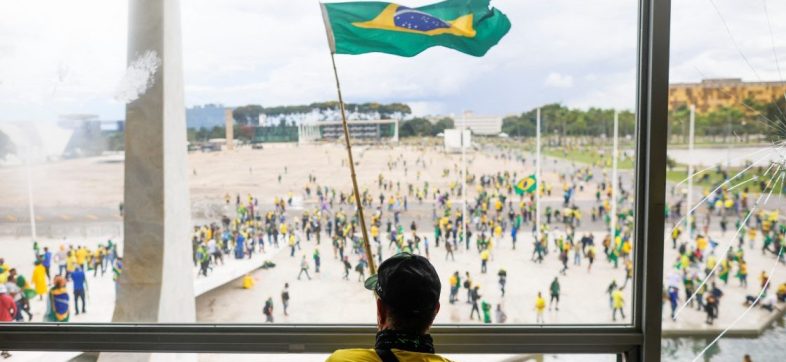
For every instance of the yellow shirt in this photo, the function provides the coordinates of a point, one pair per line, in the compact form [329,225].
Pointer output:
[369,355]
[540,304]
[71,263]
[711,261]
[701,243]
[39,279]
[81,256]
[617,299]
[627,247]
[453,281]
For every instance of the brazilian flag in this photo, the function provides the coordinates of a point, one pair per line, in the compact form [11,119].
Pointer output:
[526,185]
[469,26]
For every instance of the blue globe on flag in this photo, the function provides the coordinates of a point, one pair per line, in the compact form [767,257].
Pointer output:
[417,20]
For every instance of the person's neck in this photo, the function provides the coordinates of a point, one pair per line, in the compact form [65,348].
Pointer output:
[413,342]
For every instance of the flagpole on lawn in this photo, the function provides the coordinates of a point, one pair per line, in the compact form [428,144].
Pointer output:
[537,176]
[358,203]
[30,193]
[688,223]
[614,183]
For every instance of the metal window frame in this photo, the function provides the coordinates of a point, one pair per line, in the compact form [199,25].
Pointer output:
[639,341]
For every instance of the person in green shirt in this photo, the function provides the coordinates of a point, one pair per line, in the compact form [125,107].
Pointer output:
[407,290]
[555,290]
[486,307]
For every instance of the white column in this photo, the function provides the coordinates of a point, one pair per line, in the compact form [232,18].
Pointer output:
[614,182]
[157,283]
[690,169]
[538,181]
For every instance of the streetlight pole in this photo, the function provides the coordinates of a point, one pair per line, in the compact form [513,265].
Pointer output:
[538,181]
[464,217]
[691,137]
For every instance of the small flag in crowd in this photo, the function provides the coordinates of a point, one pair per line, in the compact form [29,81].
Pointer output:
[526,185]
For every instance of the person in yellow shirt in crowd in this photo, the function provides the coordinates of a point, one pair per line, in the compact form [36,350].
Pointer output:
[71,263]
[540,306]
[484,259]
[81,257]
[407,288]
[4,273]
[498,231]
[375,233]
[617,304]
[701,243]
[39,279]
[291,243]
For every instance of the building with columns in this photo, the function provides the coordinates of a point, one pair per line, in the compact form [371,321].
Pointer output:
[371,130]
[711,94]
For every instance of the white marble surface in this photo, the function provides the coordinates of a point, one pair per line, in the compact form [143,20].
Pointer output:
[153,286]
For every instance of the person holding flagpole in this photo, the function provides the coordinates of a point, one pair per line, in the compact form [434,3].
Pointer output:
[468,26]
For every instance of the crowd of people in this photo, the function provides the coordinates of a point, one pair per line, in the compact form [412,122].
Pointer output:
[707,259]
[419,217]
[496,214]
[59,280]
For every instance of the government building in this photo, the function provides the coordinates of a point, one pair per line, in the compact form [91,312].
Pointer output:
[711,94]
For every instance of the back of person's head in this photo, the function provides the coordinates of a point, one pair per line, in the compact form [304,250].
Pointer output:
[408,287]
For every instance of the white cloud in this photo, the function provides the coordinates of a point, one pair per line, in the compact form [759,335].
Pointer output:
[426,108]
[557,80]
[61,57]
[612,90]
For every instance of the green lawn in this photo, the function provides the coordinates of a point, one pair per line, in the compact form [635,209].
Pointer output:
[590,157]
[676,175]
[714,179]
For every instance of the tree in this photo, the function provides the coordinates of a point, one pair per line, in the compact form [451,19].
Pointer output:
[416,127]
[519,126]
[441,126]
[247,114]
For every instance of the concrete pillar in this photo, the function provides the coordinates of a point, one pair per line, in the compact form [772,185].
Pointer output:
[157,283]
[229,127]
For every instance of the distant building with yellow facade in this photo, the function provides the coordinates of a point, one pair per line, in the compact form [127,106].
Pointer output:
[712,94]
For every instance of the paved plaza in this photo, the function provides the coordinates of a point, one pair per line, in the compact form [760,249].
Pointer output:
[79,200]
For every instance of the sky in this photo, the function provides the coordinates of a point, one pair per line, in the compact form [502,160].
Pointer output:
[69,57]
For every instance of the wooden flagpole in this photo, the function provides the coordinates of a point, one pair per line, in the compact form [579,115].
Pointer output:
[358,203]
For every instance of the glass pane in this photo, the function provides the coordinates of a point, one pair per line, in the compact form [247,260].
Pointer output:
[724,285]
[413,185]
[61,155]
[280,173]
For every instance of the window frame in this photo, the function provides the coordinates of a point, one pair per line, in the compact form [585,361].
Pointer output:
[639,341]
